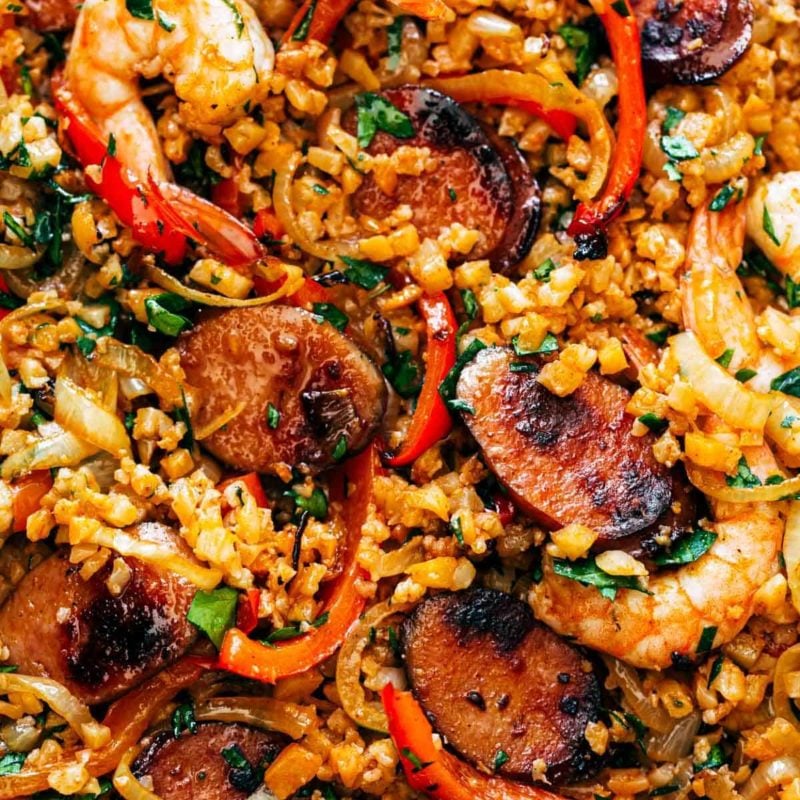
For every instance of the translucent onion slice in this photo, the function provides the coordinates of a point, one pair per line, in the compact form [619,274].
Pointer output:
[626,678]
[61,450]
[348,669]
[768,775]
[788,662]
[788,439]
[83,530]
[126,783]
[75,713]
[284,208]
[260,712]
[676,743]
[6,384]
[13,257]
[791,552]
[78,412]
[713,484]
[719,391]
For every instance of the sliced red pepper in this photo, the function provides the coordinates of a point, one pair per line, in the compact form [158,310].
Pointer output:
[225,194]
[436,772]
[116,185]
[27,494]
[431,421]
[267,223]
[343,603]
[592,219]
[247,613]
[504,507]
[9,75]
[252,483]
[562,122]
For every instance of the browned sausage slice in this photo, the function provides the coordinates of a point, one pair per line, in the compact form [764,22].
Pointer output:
[492,680]
[52,15]
[60,626]
[210,763]
[691,41]
[565,460]
[484,187]
[322,385]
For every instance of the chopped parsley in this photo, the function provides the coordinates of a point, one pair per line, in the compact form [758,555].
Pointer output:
[141,9]
[585,41]
[447,389]
[183,719]
[678,148]
[327,312]
[394,41]
[671,119]
[548,345]
[340,449]
[688,549]
[273,417]
[716,756]
[214,612]
[301,32]
[744,375]
[769,227]
[375,113]
[315,504]
[363,273]
[293,631]
[788,382]
[722,198]
[586,572]
[725,359]
[163,313]
[403,374]
[543,271]
[501,757]
[744,478]
[654,423]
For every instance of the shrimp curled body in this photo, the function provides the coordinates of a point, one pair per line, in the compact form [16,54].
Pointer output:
[651,630]
[215,52]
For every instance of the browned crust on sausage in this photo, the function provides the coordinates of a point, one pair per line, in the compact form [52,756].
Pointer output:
[565,460]
[52,15]
[469,185]
[672,29]
[492,679]
[321,383]
[192,767]
[60,626]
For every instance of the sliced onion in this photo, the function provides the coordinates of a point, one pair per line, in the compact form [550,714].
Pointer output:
[78,412]
[66,281]
[260,712]
[788,662]
[13,257]
[219,422]
[713,484]
[768,775]
[84,530]
[791,552]
[6,384]
[132,388]
[294,280]
[719,391]
[625,677]
[126,783]
[284,208]
[132,361]
[348,669]
[788,439]
[676,743]
[397,561]
[41,305]
[75,713]
[61,450]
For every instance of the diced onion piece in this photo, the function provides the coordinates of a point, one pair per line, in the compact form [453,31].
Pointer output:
[713,484]
[61,450]
[132,388]
[348,670]
[126,783]
[84,530]
[768,775]
[788,662]
[719,391]
[130,360]
[625,677]
[14,257]
[259,712]
[784,407]
[791,552]
[75,713]
[77,411]
[676,743]
[294,280]
[6,384]
[284,208]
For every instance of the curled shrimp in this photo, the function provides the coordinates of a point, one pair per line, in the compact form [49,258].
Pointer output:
[215,52]
[773,221]
[685,611]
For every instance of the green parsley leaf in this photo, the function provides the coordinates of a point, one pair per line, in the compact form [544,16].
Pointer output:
[722,198]
[678,148]
[11,763]
[316,504]
[543,271]
[301,32]
[758,150]
[744,375]
[792,291]
[320,189]
[455,527]
[273,417]
[688,549]
[789,420]
[716,668]
[141,9]
[451,193]
[586,572]
[327,312]
[162,313]
[586,44]
[654,423]
[365,274]
[394,37]
[414,759]
[672,171]
[166,23]
[25,238]
[725,359]
[716,756]
[375,113]
[403,373]
[462,406]
[183,719]
[769,227]
[237,17]
[621,7]
[744,478]
[671,119]
[7,668]
[340,450]
[447,389]
[500,758]
[660,336]
[111,147]
[86,345]
[214,612]
[706,640]
[670,788]
[548,345]
[788,382]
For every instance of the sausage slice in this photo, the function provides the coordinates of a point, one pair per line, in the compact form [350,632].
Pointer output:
[691,41]
[60,626]
[324,389]
[52,15]
[485,185]
[565,460]
[210,763]
[494,680]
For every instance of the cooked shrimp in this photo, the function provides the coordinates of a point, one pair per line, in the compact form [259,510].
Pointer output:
[715,593]
[215,52]
[773,221]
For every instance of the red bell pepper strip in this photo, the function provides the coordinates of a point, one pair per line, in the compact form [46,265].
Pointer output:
[343,602]
[591,219]
[267,223]
[252,483]
[562,122]
[431,421]
[116,185]
[225,194]
[435,771]
[247,613]
[26,496]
